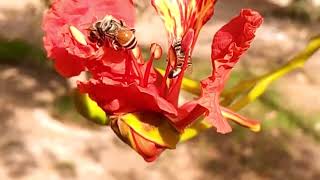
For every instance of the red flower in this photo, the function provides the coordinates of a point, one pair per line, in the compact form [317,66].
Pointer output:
[228,44]
[123,82]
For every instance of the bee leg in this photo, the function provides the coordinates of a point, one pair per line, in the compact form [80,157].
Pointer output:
[114,45]
[189,61]
[99,43]
[133,30]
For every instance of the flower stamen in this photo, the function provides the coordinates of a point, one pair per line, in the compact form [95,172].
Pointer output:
[136,68]
[137,54]
[164,81]
[155,53]
[148,69]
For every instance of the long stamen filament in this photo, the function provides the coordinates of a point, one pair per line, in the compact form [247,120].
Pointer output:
[164,81]
[148,70]
[127,69]
[136,67]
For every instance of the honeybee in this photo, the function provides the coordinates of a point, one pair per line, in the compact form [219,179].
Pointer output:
[112,31]
[180,57]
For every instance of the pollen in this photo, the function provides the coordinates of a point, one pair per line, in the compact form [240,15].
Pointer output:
[78,35]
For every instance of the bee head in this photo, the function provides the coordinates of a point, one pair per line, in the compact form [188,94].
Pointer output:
[93,36]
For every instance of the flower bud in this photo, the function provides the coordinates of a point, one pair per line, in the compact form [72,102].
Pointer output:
[147,149]
[145,134]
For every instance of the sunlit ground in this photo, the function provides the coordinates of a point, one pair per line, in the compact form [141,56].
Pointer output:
[42,136]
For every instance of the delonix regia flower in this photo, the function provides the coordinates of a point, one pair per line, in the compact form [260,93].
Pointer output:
[125,84]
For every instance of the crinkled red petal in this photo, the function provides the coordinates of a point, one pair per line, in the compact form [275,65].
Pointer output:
[229,43]
[210,99]
[111,64]
[188,113]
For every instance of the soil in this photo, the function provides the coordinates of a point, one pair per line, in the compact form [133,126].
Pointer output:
[35,145]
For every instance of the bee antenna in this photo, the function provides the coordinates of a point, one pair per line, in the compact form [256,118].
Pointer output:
[121,23]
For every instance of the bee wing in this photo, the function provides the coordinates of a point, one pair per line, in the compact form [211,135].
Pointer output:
[172,57]
[89,26]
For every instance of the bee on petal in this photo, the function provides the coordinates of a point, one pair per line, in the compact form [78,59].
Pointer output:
[112,31]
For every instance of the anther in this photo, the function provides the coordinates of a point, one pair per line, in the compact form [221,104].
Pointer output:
[137,54]
[78,35]
[156,50]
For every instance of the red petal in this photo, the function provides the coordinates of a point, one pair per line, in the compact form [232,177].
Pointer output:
[235,37]
[66,64]
[111,64]
[147,149]
[187,40]
[188,113]
[80,14]
[115,97]
[210,100]
[229,43]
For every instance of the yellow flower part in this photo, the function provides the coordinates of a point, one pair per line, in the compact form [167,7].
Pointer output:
[153,127]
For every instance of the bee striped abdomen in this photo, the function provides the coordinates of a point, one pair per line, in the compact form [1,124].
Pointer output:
[131,44]
[126,39]
[180,54]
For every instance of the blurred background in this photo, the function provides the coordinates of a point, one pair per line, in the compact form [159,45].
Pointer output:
[42,136]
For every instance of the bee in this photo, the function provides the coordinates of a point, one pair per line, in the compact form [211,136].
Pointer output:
[180,57]
[112,31]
